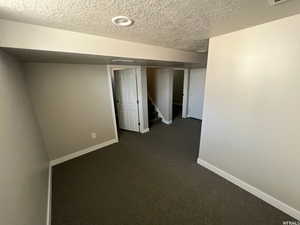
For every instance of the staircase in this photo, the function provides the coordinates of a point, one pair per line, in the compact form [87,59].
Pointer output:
[152,114]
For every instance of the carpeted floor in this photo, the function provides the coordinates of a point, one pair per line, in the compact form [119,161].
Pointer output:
[152,179]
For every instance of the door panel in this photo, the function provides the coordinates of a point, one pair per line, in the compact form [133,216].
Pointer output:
[126,99]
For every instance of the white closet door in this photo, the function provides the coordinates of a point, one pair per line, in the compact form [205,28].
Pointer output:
[127,99]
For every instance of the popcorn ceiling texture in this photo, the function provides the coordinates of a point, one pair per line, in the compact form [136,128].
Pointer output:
[180,24]
[168,23]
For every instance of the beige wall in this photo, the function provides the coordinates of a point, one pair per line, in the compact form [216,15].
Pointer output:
[71,101]
[160,90]
[196,93]
[24,161]
[251,112]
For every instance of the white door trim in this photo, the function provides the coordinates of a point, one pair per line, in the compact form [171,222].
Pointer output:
[144,128]
[111,69]
[49,195]
[185,102]
[111,95]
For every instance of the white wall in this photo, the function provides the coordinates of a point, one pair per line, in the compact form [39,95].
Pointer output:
[71,101]
[34,37]
[196,93]
[251,112]
[24,161]
[160,90]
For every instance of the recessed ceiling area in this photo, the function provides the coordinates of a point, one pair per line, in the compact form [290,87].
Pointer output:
[178,24]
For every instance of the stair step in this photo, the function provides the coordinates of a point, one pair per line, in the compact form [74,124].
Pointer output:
[152,113]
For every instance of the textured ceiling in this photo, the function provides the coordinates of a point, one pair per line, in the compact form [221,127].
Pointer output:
[180,24]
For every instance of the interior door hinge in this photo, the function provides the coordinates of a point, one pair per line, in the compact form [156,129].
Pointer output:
[137,101]
[139,124]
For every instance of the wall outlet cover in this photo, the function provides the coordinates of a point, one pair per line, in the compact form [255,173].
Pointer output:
[93,135]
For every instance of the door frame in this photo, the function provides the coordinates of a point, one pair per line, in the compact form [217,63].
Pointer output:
[143,128]
[185,100]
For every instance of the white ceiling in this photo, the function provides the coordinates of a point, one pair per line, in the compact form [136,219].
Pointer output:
[179,24]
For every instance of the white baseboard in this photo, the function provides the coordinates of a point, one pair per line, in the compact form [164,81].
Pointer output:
[48,221]
[145,130]
[253,190]
[82,152]
[193,117]
[167,121]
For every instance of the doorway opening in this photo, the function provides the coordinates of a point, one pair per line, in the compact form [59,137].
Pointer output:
[180,92]
[178,88]
[168,93]
[128,97]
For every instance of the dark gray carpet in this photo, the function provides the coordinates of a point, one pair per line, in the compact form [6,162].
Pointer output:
[152,179]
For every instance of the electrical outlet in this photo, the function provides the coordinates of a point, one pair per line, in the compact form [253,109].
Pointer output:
[93,135]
